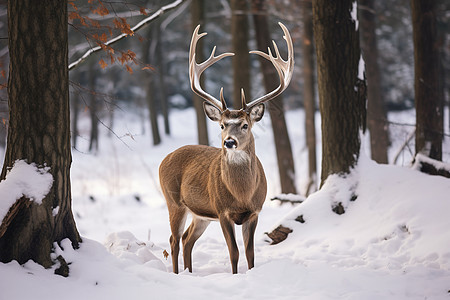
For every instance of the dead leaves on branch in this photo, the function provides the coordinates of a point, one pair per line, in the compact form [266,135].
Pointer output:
[99,34]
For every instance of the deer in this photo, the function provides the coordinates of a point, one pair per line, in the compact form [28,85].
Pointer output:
[227,184]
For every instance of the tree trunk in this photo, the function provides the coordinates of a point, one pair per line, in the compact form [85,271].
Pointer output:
[93,108]
[341,90]
[428,99]
[271,81]
[241,60]
[309,98]
[376,110]
[75,109]
[152,110]
[162,82]
[39,127]
[197,12]
[3,117]
[150,91]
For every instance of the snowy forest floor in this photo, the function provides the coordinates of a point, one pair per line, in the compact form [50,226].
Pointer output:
[393,242]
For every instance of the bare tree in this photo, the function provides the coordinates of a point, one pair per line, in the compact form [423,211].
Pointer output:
[376,108]
[309,98]
[148,49]
[197,11]
[93,107]
[241,60]
[428,99]
[282,143]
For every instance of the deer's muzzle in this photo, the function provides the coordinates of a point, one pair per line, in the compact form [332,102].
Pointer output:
[230,143]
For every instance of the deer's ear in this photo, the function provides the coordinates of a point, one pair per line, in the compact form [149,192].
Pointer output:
[257,112]
[212,112]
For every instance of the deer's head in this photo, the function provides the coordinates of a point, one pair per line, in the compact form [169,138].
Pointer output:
[236,125]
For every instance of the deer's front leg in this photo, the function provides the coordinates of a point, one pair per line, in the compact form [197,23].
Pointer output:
[228,231]
[248,233]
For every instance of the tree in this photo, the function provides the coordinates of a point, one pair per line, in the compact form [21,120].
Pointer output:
[428,99]
[164,101]
[282,143]
[39,127]
[309,99]
[93,106]
[376,108]
[341,92]
[74,109]
[241,60]
[341,84]
[197,12]
[147,49]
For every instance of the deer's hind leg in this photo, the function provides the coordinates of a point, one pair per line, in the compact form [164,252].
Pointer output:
[177,217]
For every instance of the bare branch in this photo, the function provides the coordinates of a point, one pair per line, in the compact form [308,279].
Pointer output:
[140,25]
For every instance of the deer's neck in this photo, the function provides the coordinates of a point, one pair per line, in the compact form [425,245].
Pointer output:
[239,171]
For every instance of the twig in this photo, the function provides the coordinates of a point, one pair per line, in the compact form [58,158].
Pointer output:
[140,25]
[405,143]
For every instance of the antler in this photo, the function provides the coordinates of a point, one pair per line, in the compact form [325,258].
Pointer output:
[284,68]
[196,70]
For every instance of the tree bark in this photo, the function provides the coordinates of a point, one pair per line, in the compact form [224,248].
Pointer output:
[197,14]
[271,81]
[376,109]
[428,99]
[241,60]
[150,91]
[162,82]
[309,98]
[93,108]
[75,108]
[341,91]
[39,126]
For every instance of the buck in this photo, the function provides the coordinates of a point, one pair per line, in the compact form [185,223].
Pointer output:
[228,183]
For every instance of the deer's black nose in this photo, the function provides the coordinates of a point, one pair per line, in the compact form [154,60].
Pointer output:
[230,143]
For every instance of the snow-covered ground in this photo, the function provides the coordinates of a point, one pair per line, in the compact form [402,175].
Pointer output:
[393,242]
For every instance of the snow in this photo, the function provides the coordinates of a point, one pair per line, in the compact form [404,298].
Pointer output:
[361,68]
[438,165]
[354,14]
[392,242]
[24,180]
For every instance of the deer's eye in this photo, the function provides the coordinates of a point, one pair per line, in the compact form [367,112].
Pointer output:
[245,126]
[221,126]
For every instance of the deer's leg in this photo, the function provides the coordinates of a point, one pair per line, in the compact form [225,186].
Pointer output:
[228,231]
[190,236]
[248,233]
[177,217]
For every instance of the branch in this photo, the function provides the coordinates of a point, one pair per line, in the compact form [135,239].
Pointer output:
[140,25]
[431,166]
[402,147]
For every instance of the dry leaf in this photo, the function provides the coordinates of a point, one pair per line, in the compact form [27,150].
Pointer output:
[102,64]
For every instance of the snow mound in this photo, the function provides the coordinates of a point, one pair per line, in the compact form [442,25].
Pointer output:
[398,220]
[24,180]
[126,246]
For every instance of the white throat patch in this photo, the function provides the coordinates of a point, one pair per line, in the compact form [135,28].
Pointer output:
[237,156]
